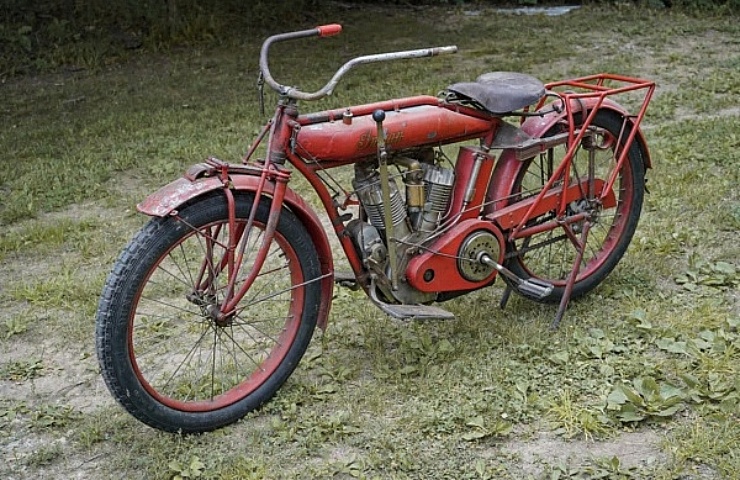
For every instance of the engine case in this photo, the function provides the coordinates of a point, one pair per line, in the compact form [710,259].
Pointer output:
[450,263]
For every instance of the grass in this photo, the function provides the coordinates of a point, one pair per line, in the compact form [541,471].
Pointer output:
[654,349]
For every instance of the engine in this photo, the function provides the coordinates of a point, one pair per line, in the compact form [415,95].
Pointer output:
[415,212]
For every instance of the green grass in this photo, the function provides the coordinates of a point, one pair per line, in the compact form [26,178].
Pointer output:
[654,349]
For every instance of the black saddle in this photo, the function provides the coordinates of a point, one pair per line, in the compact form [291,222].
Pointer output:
[501,92]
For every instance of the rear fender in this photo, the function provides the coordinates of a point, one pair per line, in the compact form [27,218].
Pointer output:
[537,126]
[508,166]
[171,197]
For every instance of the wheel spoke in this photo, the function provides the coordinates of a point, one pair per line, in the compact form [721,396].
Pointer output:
[166,304]
[195,346]
[258,364]
[550,256]
[242,326]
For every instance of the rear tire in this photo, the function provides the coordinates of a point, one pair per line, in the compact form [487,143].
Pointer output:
[163,354]
[550,256]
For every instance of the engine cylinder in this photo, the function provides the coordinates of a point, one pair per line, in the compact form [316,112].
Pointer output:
[371,196]
[439,182]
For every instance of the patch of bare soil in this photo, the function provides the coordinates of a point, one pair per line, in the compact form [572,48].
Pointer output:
[631,448]
[39,406]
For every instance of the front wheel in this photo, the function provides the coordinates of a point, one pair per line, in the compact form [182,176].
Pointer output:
[549,256]
[163,353]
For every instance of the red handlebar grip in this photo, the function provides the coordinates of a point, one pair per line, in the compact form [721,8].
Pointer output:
[329,30]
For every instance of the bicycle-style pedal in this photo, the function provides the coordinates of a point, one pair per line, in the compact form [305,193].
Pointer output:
[535,288]
[531,287]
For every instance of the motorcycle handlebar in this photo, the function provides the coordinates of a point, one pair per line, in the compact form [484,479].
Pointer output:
[328,31]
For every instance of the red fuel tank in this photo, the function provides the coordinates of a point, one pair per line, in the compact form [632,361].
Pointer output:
[343,136]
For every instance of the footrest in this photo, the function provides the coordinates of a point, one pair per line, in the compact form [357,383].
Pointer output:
[410,312]
[415,312]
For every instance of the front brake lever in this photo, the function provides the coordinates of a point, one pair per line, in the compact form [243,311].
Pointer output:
[261,92]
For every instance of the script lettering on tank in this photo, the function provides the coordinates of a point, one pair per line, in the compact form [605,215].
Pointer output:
[368,140]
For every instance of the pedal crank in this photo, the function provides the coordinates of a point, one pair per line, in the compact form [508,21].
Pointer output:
[531,287]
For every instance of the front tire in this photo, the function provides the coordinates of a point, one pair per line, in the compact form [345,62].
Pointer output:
[163,354]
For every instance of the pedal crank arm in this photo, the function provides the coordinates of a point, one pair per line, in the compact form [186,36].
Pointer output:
[531,287]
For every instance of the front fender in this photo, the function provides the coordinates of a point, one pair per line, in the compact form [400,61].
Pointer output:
[169,198]
[508,166]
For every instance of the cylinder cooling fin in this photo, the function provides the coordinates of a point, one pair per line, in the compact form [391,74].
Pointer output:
[438,182]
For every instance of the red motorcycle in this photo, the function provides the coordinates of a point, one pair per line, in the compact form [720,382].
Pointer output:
[213,303]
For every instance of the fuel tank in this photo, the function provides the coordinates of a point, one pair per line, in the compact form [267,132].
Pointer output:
[344,136]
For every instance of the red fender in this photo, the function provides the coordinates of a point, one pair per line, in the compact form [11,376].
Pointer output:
[507,168]
[170,197]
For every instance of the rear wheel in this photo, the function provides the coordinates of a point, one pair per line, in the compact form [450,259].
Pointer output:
[549,256]
[165,354]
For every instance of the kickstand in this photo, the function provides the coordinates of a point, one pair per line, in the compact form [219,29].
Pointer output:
[572,278]
[505,297]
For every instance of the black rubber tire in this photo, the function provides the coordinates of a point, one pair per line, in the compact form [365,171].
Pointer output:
[613,235]
[126,310]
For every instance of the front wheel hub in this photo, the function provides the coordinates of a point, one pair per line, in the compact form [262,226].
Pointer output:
[219,318]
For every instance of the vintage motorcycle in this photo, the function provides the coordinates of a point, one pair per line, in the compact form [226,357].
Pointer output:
[212,304]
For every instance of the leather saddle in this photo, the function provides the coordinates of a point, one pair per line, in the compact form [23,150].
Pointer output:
[501,92]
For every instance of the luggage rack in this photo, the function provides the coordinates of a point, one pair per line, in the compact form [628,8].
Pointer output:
[597,90]
[599,87]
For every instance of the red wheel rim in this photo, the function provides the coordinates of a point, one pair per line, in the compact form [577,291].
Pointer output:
[266,367]
[617,223]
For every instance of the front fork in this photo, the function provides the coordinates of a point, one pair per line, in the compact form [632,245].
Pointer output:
[273,180]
